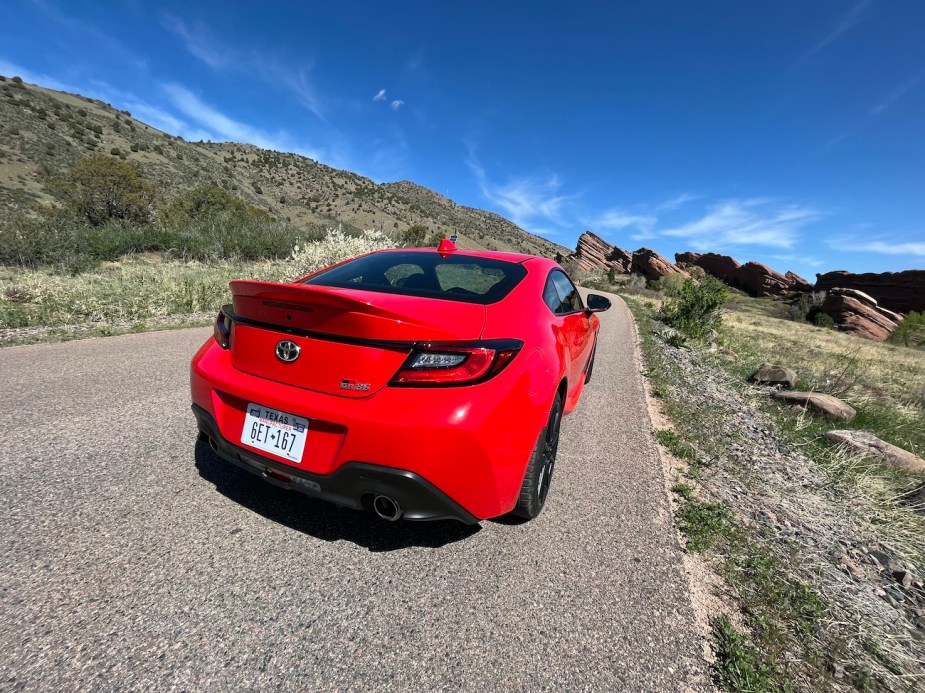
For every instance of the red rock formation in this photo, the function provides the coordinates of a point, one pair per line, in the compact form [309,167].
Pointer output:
[899,291]
[594,253]
[686,260]
[761,280]
[621,260]
[797,283]
[752,277]
[855,312]
[591,252]
[651,265]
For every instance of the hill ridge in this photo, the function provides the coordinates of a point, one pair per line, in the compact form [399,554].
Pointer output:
[46,131]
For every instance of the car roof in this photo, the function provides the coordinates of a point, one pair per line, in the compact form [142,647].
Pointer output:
[494,254]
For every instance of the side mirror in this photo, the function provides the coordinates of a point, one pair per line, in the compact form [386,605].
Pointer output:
[597,303]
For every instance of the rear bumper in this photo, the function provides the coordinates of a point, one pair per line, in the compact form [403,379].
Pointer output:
[353,484]
[471,443]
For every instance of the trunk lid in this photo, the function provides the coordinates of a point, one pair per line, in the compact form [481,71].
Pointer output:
[350,342]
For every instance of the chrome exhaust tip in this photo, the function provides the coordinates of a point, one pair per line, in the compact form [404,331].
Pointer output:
[387,508]
[213,444]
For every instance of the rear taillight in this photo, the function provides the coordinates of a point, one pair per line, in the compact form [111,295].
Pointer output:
[448,364]
[221,330]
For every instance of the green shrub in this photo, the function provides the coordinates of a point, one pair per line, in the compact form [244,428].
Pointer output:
[211,200]
[821,319]
[414,236]
[100,188]
[911,331]
[671,284]
[115,151]
[57,239]
[806,306]
[695,310]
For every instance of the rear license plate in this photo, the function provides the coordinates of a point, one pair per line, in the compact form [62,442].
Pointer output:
[275,432]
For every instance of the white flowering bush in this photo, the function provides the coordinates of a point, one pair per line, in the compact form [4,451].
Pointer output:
[334,247]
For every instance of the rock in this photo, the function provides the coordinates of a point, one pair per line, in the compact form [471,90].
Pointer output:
[651,265]
[828,405]
[760,280]
[797,283]
[874,448]
[858,313]
[851,567]
[594,253]
[752,277]
[897,291]
[770,374]
[686,260]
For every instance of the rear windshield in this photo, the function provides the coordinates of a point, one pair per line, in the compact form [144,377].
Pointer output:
[455,277]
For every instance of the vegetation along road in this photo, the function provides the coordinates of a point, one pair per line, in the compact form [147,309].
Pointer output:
[132,558]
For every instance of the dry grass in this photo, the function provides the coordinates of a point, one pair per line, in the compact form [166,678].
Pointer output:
[819,354]
[884,382]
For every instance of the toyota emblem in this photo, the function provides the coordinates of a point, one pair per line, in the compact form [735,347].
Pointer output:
[287,351]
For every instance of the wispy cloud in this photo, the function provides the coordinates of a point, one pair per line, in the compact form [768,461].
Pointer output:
[218,126]
[674,203]
[524,200]
[396,104]
[87,32]
[745,222]
[9,69]
[884,105]
[295,79]
[794,258]
[616,220]
[200,42]
[380,95]
[883,247]
[621,220]
[845,22]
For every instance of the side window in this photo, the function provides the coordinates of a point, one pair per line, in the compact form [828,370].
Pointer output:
[571,300]
[551,296]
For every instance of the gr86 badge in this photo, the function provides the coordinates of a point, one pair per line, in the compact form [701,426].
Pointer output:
[354,385]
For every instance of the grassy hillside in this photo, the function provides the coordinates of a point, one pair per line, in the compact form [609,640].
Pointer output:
[44,132]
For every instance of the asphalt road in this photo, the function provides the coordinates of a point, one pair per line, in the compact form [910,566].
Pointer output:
[132,558]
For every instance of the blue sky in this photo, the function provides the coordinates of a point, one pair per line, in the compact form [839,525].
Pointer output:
[792,133]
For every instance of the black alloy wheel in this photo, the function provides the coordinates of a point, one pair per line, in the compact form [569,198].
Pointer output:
[538,476]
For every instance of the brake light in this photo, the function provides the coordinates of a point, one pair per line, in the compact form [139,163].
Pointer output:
[221,330]
[449,364]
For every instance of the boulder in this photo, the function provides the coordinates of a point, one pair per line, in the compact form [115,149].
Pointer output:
[770,374]
[594,253]
[651,265]
[858,313]
[872,447]
[897,291]
[830,406]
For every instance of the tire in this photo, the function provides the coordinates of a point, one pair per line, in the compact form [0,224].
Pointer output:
[590,367]
[538,477]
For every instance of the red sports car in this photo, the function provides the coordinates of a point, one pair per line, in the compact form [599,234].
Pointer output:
[421,383]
